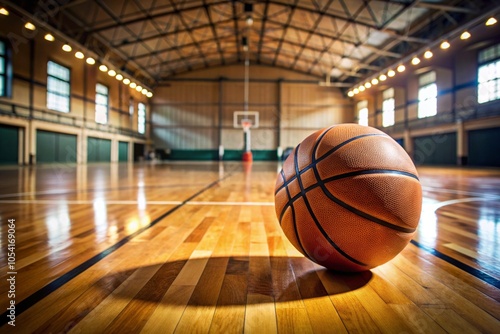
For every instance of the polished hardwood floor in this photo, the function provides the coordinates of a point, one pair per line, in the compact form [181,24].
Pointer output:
[197,248]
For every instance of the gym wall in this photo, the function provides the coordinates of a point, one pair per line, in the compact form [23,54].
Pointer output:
[194,113]
[26,109]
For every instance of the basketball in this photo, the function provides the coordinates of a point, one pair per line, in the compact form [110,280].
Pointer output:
[348,197]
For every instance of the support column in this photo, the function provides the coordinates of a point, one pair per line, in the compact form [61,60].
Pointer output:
[31,131]
[408,142]
[114,150]
[462,144]
[219,120]
[279,150]
[21,146]
[82,147]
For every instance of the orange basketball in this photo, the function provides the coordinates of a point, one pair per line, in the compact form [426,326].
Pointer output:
[348,197]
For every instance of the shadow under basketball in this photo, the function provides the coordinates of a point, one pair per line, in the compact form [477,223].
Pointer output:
[227,281]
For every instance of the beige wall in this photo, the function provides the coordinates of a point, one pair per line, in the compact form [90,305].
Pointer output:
[27,45]
[185,114]
[456,79]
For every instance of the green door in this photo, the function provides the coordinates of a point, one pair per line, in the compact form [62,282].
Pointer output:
[9,145]
[438,149]
[55,147]
[122,151]
[483,149]
[98,150]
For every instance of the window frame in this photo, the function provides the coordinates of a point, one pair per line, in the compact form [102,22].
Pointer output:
[141,126]
[385,111]
[483,61]
[362,106]
[131,107]
[97,104]
[6,91]
[424,84]
[55,92]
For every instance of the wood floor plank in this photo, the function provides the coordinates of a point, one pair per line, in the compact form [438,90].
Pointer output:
[108,309]
[260,312]
[218,262]
[381,313]
[445,287]
[198,315]
[323,316]
[417,319]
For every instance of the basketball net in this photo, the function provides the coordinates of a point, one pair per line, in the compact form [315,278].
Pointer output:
[247,153]
[246,124]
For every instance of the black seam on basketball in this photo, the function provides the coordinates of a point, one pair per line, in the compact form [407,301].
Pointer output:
[321,183]
[282,173]
[364,214]
[370,171]
[324,156]
[358,212]
[293,214]
[296,231]
[352,209]
[313,216]
[290,200]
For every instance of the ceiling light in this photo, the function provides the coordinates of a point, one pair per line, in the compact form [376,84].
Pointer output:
[415,61]
[79,55]
[90,61]
[144,91]
[350,93]
[149,94]
[361,88]
[103,68]
[445,45]
[138,88]
[391,73]
[4,11]
[67,48]
[491,21]
[126,81]
[368,85]
[428,54]
[119,77]
[49,37]
[374,81]
[465,35]
[111,73]
[355,91]
[382,77]
[29,26]
[401,68]
[133,85]
[249,21]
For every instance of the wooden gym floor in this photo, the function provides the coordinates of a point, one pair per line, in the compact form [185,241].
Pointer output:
[196,248]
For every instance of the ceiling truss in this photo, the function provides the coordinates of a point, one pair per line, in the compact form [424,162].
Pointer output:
[347,39]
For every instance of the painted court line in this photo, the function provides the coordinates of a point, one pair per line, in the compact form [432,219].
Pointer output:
[460,200]
[99,200]
[231,203]
[459,192]
[57,283]
[118,202]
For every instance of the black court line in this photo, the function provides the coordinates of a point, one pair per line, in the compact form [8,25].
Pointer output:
[93,190]
[28,302]
[465,267]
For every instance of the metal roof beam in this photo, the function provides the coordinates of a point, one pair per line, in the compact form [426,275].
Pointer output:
[446,8]
[150,17]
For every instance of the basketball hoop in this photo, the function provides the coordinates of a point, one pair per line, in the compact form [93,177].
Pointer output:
[246,124]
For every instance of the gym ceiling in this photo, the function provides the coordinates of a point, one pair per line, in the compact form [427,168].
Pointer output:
[340,41]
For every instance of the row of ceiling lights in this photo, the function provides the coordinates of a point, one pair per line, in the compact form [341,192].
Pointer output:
[89,60]
[414,61]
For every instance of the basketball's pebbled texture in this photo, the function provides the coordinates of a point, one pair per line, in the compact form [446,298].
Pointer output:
[348,197]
